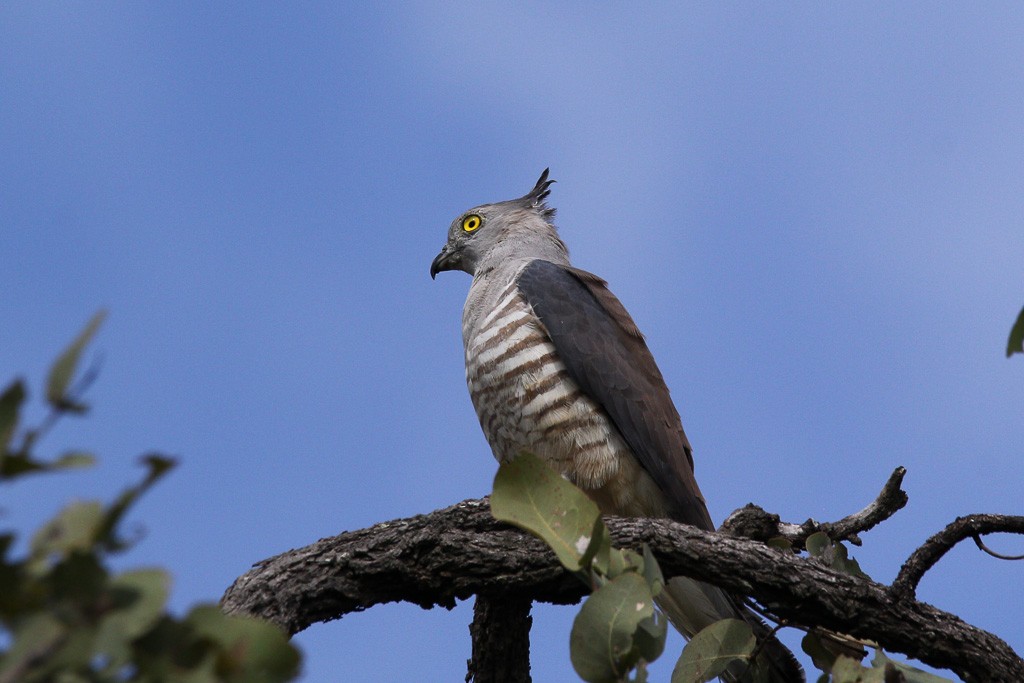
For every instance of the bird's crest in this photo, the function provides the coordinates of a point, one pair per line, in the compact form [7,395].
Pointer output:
[535,198]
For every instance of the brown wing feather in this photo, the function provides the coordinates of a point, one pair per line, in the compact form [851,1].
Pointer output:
[606,355]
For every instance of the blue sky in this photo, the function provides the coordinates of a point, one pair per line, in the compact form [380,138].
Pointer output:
[813,211]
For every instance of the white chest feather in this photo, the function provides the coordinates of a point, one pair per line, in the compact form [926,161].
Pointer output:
[526,401]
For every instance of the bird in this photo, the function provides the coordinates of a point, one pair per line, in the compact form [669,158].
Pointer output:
[555,366]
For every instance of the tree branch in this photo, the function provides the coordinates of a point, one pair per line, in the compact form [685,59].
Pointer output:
[453,553]
[428,560]
[754,523]
[925,557]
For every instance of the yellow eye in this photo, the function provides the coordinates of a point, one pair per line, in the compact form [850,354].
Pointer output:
[471,223]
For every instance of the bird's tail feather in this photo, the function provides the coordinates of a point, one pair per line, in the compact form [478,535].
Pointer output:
[692,605]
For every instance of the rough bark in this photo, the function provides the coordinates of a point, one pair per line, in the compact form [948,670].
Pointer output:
[753,522]
[501,639]
[451,554]
[428,560]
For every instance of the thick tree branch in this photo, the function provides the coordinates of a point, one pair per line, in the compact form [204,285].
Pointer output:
[428,560]
[753,522]
[453,553]
[925,557]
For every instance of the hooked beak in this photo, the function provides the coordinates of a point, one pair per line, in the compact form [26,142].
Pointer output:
[446,260]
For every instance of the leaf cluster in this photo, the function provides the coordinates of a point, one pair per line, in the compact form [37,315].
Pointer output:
[66,616]
[618,631]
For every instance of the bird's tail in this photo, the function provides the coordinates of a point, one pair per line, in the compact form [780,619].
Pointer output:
[693,605]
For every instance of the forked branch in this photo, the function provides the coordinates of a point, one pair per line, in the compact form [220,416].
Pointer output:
[753,522]
[971,526]
[461,551]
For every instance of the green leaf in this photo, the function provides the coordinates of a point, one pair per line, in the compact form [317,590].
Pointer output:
[64,368]
[14,585]
[73,655]
[910,674]
[819,654]
[36,637]
[599,546]
[817,543]
[16,464]
[618,562]
[634,561]
[652,573]
[611,562]
[532,496]
[650,636]
[10,403]
[251,650]
[73,460]
[79,579]
[601,562]
[602,645]
[834,555]
[1015,344]
[842,561]
[136,603]
[138,597]
[848,670]
[73,529]
[713,649]
[173,651]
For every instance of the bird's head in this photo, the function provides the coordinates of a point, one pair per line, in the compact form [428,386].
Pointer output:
[491,233]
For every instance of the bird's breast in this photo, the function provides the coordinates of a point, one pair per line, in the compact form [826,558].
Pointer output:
[526,401]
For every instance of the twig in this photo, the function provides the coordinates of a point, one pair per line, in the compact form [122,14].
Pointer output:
[999,556]
[72,398]
[753,522]
[925,557]
[764,640]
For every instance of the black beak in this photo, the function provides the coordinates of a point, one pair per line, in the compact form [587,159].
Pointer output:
[443,261]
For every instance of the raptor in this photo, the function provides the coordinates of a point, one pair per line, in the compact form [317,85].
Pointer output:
[557,367]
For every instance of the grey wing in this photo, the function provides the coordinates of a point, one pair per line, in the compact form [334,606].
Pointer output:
[605,354]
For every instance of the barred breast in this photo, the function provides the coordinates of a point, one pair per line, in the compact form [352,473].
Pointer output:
[526,401]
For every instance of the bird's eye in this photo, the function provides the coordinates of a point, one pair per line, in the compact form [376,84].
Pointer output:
[471,223]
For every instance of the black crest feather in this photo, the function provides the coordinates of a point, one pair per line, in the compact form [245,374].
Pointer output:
[535,197]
